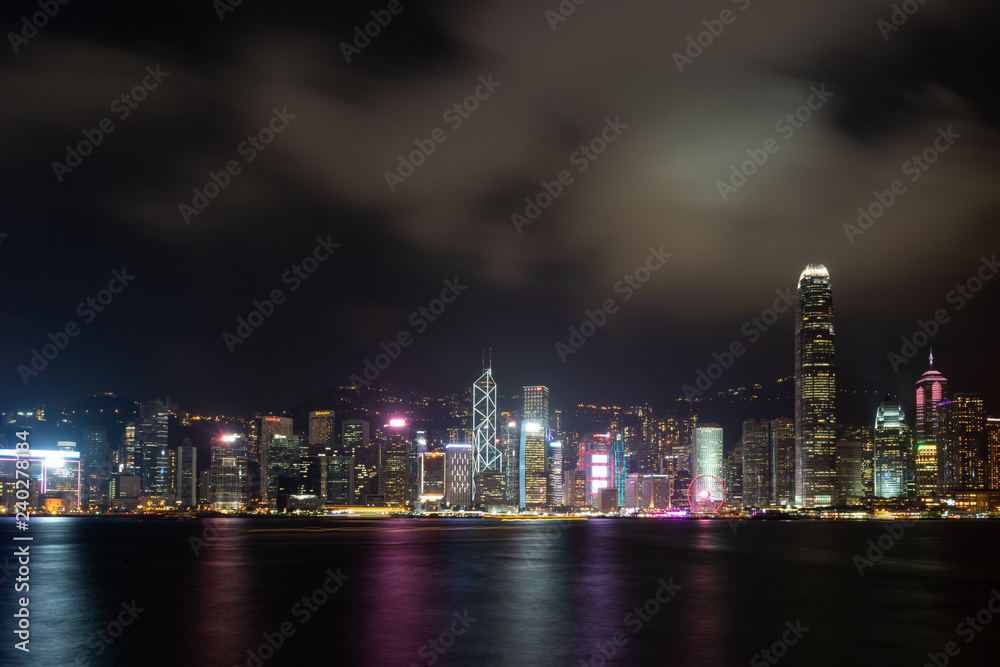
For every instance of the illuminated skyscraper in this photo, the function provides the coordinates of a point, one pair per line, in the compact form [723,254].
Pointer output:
[757,483]
[321,428]
[891,444]
[155,468]
[96,470]
[706,451]
[432,483]
[815,389]
[187,475]
[458,475]
[932,389]
[229,473]
[354,442]
[488,483]
[963,434]
[270,426]
[993,453]
[534,436]
[395,475]
[555,475]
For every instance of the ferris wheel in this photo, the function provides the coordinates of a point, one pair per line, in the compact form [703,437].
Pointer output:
[706,494]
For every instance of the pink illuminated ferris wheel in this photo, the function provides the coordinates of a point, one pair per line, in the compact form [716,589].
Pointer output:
[706,494]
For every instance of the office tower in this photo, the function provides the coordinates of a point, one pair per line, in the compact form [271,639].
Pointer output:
[281,472]
[993,453]
[555,474]
[534,435]
[153,449]
[510,438]
[395,474]
[963,434]
[891,445]
[432,482]
[599,470]
[757,456]
[354,441]
[458,475]
[633,491]
[270,426]
[205,488]
[131,458]
[187,475]
[850,471]
[656,491]
[619,467]
[558,423]
[575,488]
[815,389]
[229,473]
[321,429]
[338,484]
[488,482]
[732,476]
[706,451]
[96,471]
[932,389]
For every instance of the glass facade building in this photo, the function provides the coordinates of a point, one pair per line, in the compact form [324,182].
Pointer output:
[815,389]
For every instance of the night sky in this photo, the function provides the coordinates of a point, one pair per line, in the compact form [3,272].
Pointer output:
[886,95]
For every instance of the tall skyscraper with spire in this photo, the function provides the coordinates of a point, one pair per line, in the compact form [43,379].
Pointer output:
[932,389]
[815,389]
[488,482]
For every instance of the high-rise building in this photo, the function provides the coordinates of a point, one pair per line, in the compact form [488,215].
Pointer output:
[432,481]
[394,477]
[555,474]
[321,427]
[619,467]
[891,446]
[229,473]
[993,453]
[757,456]
[963,434]
[153,449]
[534,438]
[205,487]
[706,451]
[783,461]
[339,485]
[270,426]
[354,441]
[815,389]
[850,471]
[932,389]
[96,472]
[187,475]
[281,472]
[458,475]
[488,483]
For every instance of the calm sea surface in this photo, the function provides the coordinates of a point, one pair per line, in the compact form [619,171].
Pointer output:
[485,592]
